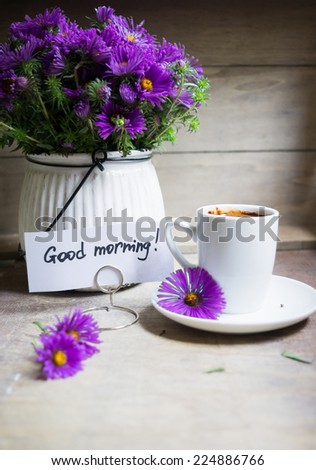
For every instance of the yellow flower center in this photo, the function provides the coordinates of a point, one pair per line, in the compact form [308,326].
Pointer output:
[74,334]
[146,84]
[131,38]
[59,358]
[192,299]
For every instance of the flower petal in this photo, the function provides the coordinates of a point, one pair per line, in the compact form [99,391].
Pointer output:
[172,293]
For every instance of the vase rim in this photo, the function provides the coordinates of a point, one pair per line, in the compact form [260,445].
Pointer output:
[85,159]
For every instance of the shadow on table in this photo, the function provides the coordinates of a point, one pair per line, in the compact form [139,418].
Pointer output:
[161,326]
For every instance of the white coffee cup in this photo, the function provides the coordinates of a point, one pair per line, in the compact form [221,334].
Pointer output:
[238,251]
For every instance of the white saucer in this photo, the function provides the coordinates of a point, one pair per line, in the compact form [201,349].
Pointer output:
[288,302]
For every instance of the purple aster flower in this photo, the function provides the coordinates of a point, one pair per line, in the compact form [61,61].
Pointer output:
[41,26]
[27,50]
[104,92]
[98,91]
[91,43]
[127,60]
[74,94]
[155,85]
[185,98]
[22,83]
[54,62]
[11,58]
[82,109]
[83,328]
[81,106]
[61,355]
[65,37]
[110,36]
[10,85]
[192,292]
[104,14]
[128,32]
[67,147]
[115,119]
[168,52]
[195,64]
[4,53]
[84,42]
[128,93]
[50,18]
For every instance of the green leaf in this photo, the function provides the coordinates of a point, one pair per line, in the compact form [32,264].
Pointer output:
[46,146]
[217,369]
[41,327]
[83,131]
[294,357]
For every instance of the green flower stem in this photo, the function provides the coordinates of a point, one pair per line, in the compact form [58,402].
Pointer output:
[40,326]
[91,129]
[43,106]
[171,123]
[45,113]
[176,98]
[77,67]
[170,110]
[151,133]
[217,369]
[14,130]
[7,126]
[290,355]
[120,141]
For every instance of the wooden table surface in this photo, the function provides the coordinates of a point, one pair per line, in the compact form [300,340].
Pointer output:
[148,388]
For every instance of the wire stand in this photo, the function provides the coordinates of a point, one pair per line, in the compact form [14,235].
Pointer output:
[111,290]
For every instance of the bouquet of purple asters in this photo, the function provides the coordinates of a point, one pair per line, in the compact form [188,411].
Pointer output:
[66,89]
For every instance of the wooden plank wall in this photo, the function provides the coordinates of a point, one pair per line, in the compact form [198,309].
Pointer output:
[257,140]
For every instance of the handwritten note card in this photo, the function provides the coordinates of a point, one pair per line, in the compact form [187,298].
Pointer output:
[70,259]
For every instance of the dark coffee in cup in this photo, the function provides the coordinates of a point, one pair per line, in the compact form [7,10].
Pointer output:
[234,213]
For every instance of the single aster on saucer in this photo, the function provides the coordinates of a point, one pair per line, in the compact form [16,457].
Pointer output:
[192,292]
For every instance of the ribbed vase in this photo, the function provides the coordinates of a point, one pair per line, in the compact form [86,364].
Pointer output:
[127,183]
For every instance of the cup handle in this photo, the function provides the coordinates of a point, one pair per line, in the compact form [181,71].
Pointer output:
[187,227]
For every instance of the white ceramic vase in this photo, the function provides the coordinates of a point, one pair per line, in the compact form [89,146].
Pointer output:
[127,183]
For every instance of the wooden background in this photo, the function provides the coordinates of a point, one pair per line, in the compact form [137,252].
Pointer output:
[257,141]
